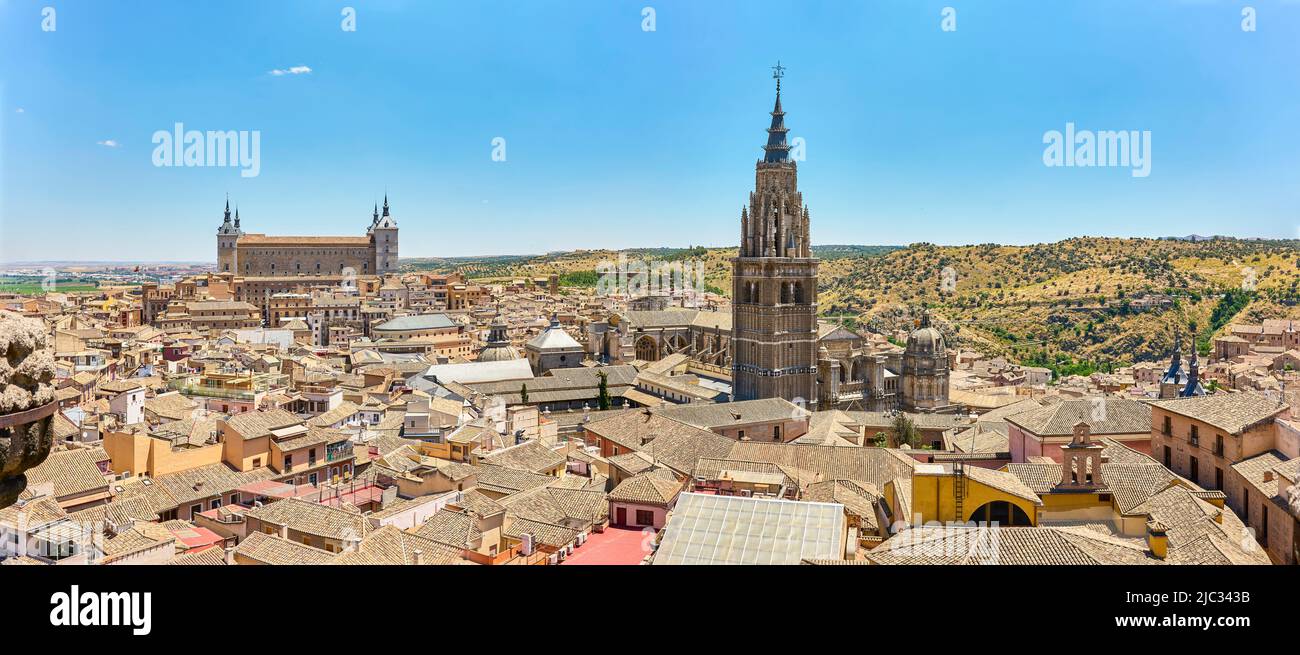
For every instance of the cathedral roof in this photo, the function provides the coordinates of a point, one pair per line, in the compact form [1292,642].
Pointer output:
[554,338]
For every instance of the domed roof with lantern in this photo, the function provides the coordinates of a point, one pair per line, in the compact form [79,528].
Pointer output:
[926,339]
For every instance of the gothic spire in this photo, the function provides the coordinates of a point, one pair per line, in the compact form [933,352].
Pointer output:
[236,217]
[385,203]
[777,149]
[227,217]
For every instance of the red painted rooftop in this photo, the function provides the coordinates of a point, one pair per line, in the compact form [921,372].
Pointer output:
[613,546]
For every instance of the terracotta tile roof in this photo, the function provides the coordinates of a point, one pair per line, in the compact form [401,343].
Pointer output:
[345,410]
[1002,481]
[658,487]
[530,456]
[874,465]
[452,528]
[1008,546]
[857,499]
[32,513]
[1103,415]
[391,546]
[1252,470]
[312,518]
[268,549]
[679,450]
[139,537]
[1233,413]
[632,463]
[544,533]
[250,425]
[69,472]
[632,430]
[506,480]
[207,557]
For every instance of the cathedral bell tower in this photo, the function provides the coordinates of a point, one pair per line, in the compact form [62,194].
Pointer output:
[774,281]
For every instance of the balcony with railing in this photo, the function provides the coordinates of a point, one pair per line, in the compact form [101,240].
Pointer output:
[339,451]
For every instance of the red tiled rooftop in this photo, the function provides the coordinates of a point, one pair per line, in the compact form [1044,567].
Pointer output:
[613,546]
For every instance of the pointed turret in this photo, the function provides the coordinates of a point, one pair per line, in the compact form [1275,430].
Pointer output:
[1193,387]
[385,203]
[227,227]
[1174,374]
[777,150]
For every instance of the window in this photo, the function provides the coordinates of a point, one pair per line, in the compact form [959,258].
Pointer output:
[195,509]
[740,434]
[216,502]
[1168,458]
[1218,445]
[1168,427]
[288,462]
[1218,478]
[234,499]
[645,517]
[1195,470]
[1195,437]
[257,462]
[776,433]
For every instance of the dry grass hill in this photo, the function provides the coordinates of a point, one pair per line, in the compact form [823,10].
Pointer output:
[1076,305]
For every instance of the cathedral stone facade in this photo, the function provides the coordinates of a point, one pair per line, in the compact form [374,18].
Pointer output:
[774,278]
[259,255]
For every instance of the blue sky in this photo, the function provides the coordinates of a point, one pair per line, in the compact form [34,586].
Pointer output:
[618,137]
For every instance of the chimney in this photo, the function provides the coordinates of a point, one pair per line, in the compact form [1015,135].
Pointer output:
[417,557]
[230,555]
[284,531]
[1156,539]
[1268,475]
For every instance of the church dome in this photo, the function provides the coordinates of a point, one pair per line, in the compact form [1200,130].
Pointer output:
[926,340]
[498,353]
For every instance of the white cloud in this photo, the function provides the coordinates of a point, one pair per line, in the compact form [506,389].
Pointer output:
[108,143]
[292,70]
[19,110]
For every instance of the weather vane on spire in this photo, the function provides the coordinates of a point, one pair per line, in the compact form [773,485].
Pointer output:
[778,72]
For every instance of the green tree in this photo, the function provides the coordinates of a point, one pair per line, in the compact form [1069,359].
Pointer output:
[905,431]
[881,440]
[602,400]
